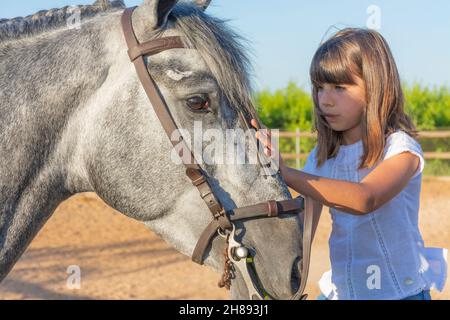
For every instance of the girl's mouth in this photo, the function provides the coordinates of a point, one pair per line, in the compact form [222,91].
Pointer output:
[331,117]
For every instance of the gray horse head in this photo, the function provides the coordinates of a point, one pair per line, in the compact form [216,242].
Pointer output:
[75,118]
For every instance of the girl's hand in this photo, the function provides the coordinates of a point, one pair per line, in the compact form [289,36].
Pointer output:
[264,136]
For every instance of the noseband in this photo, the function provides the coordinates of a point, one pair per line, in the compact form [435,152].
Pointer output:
[223,221]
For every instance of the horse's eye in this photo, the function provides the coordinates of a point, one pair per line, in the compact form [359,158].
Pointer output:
[198,104]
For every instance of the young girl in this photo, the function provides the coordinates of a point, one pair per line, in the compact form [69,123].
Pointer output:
[367,168]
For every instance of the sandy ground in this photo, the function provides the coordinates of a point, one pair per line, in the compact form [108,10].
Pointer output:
[121,259]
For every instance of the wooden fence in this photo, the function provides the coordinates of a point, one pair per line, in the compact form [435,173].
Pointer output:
[297,135]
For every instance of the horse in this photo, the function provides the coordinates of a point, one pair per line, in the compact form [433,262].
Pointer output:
[75,118]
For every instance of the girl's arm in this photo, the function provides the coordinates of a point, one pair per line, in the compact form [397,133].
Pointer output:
[377,188]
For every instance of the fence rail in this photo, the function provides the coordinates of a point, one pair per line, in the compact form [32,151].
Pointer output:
[297,134]
[422,134]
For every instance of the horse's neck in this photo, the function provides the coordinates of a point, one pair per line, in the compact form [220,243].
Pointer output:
[38,98]
[22,215]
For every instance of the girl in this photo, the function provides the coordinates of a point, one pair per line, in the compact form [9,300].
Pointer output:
[367,168]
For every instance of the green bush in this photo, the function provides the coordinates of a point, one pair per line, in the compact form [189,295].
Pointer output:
[436,167]
[429,107]
[286,109]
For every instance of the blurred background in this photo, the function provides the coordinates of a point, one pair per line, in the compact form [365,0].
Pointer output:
[120,258]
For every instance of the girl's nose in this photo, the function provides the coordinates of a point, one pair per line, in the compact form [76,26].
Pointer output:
[325,99]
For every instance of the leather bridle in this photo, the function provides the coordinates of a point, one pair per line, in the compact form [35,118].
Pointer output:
[222,220]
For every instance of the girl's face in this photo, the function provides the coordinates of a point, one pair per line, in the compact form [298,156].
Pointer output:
[343,105]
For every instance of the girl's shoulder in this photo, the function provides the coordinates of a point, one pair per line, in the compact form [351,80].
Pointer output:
[399,142]
[401,137]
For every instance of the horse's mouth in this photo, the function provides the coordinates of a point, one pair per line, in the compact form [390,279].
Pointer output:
[295,281]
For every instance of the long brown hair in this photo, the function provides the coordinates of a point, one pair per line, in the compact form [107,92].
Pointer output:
[366,54]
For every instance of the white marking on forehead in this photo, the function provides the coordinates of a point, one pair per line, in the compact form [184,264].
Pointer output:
[178,75]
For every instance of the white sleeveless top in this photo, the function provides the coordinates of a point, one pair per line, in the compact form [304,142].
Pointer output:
[380,255]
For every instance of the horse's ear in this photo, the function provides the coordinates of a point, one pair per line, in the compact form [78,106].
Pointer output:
[203,4]
[158,11]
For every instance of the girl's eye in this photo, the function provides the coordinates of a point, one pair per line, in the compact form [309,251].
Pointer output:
[340,88]
[198,104]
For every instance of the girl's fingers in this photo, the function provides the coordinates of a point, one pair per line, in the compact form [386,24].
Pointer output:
[263,135]
[268,148]
[254,123]
[263,138]
[266,134]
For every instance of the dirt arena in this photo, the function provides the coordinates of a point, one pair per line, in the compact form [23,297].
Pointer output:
[121,259]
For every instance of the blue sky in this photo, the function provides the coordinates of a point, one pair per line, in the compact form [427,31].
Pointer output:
[284,34]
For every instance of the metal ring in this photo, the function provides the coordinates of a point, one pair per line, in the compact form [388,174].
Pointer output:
[222,233]
[225,233]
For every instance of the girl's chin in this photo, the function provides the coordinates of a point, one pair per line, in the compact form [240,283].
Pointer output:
[336,127]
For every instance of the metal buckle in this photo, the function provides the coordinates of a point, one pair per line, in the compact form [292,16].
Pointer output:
[218,214]
[199,181]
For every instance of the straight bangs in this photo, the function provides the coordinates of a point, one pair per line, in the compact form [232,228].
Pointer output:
[333,64]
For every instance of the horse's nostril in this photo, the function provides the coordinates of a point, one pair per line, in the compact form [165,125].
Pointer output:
[295,274]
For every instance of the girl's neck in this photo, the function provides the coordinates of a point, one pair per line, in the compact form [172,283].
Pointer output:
[352,135]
